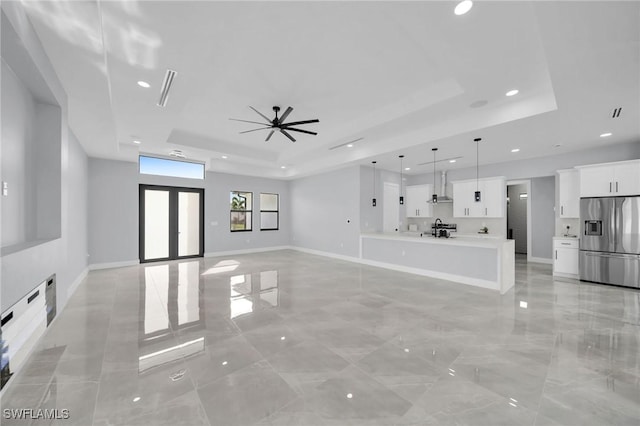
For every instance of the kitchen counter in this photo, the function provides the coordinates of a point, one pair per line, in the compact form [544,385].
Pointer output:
[479,261]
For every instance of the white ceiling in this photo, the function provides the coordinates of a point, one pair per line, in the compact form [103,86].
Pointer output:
[402,76]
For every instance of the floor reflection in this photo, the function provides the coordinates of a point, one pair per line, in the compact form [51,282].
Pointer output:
[248,296]
[170,300]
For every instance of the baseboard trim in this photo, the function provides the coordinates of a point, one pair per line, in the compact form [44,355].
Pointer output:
[109,265]
[245,251]
[74,285]
[540,260]
[326,254]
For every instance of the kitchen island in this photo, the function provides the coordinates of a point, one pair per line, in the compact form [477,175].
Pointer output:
[482,262]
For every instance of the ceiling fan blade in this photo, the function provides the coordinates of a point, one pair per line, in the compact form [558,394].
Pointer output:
[293,123]
[247,121]
[285,115]
[261,114]
[284,132]
[255,130]
[269,137]
[300,130]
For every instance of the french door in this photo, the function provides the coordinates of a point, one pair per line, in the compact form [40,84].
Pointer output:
[171,223]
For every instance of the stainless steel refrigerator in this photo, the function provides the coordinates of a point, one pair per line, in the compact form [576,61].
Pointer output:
[610,240]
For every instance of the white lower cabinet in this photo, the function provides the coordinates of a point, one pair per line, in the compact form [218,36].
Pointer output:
[565,257]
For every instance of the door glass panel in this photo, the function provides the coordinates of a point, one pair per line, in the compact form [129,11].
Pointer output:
[156,224]
[188,223]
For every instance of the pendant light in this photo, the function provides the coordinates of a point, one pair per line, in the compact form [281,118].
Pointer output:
[401,197]
[477,194]
[373,203]
[434,197]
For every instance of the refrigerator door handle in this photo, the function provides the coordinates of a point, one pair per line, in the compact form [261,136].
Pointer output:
[609,186]
[616,187]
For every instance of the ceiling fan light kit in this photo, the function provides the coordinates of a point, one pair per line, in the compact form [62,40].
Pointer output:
[278,124]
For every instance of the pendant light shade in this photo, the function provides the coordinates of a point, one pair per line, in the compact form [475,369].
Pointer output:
[477,196]
[434,197]
[401,197]
[373,202]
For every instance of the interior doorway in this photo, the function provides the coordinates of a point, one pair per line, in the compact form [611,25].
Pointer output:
[518,216]
[171,223]
[390,207]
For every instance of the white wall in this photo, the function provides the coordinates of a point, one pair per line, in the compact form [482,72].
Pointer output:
[113,211]
[325,212]
[24,268]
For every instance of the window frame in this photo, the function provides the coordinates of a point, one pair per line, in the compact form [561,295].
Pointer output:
[277,212]
[177,160]
[232,211]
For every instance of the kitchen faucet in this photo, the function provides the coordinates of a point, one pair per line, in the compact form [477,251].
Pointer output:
[436,227]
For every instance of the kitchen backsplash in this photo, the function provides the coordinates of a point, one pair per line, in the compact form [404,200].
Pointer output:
[444,211]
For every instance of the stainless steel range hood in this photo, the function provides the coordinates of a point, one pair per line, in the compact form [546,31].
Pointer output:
[442,196]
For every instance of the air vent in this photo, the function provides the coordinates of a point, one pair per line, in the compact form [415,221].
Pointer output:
[177,153]
[345,144]
[166,86]
[616,112]
[440,161]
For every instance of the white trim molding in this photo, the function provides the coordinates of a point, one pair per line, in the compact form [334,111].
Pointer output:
[109,265]
[540,260]
[245,251]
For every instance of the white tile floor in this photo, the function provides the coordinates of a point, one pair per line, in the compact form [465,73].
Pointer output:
[285,338]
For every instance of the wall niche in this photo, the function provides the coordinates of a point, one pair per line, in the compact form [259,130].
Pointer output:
[31,150]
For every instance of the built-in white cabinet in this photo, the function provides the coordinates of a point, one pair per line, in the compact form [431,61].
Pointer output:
[417,201]
[565,257]
[492,200]
[568,193]
[610,179]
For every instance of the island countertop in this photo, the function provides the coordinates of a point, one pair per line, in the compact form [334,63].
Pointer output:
[481,240]
[483,261]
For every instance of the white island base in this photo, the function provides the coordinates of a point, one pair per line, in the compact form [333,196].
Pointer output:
[481,262]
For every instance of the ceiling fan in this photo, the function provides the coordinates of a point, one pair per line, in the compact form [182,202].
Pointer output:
[278,124]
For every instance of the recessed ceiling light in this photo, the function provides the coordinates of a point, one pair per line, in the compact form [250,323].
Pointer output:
[350,145]
[515,150]
[605,135]
[283,167]
[224,157]
[512,92]
[349,395]
[452,161]
[407,168]
[144,84]
[463,7]
[137,142]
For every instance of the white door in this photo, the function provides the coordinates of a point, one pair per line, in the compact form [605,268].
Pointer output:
[390,207]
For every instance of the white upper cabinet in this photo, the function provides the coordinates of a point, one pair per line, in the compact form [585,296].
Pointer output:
[417,201]
[611,179]
[492,198]
[568,193]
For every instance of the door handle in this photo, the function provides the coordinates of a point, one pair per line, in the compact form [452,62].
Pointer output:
[561,209]
[610,187]
[556,254]
[616,186]
[485,211]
